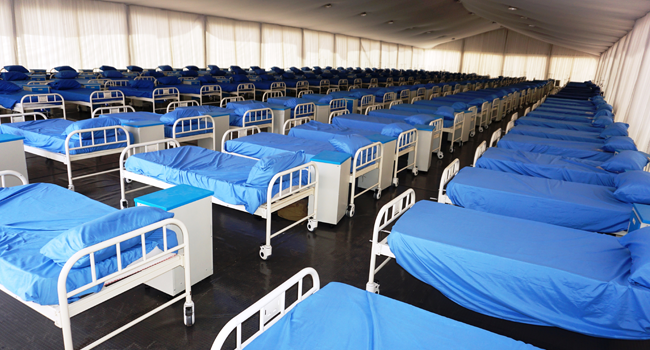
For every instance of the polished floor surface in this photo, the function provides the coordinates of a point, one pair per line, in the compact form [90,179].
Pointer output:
[339,253]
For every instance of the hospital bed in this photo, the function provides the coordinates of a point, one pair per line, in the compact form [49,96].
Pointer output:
[570,204]
[92,98]
[50,138]
[573,149]
[452,127]
[161,164]
[31,99]
[558,124]
[193,89]
[250,142]
[89,276]
[340,316]
[558,134]
[545,275]
[151,95]
[249,112]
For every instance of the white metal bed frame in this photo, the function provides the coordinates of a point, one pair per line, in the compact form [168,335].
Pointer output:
[509,126]
[271,308]
[102,97]
[323,85]
[188,125]
[126,277]
[251,116]
[374,82]
[496,136]
[285,196]
[272,94]
[67,158]
[407,142]
[208,92]
[158,94]
[479,152]
[300,85]
[39,101]
[364,102]
[275,86]
[447,174]
[456,128]
[342,84]
[305,92]
[386,216]
[304,110]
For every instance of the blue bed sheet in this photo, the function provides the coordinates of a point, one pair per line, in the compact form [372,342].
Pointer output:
[266,144]
[77,95]
[223,174]
[365,122]
[546,166]
[47,134]
[133,92]
[573,149]
[420,109]
[52,210]
[568,110]
[236,110]
[557,124]
[570,204]
[560,116]
[324,132]
[9,100]
[557,134]
[347,318]
[523,271]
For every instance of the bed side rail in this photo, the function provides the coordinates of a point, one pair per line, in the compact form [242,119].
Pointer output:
[450,171]
[270,308]
[338,113]
[178,104]
[290,182]
[373,108]
[21,117]
[496,136]
[526,111]
[107,97]
[111,110]
[7,173]
[479,152]
[226,100]
[270,94]
[338,104]
[114,83]
[511,124]
[236,133]
[262,115]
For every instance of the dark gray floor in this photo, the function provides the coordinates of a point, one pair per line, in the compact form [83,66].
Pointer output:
[340,253]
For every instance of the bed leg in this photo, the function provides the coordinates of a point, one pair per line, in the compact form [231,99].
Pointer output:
[372,287]
[265,251]
[188,313]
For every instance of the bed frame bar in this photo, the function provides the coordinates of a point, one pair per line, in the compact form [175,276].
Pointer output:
[450,171]
[7,173]
[387,215]
[496,136]
[226,100]
[270,308]
[479,152]
[178,104]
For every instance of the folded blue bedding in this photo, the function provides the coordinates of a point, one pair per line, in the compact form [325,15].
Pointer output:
[570,204]
[47,134]
[223,174]
[557,124]
[523,271]
[546,166]
[52,210]
[348,318]
[557,134]
[573,149]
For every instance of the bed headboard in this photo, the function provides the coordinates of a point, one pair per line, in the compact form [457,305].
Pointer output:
[236,133]
[338,113]
[450,171]
[177,104]
[496,136]
[226,100]
[113,109]
[21,117]
[479,152]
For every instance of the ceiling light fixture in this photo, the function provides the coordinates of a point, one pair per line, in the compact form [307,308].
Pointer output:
[327,6]
[531,25]
[512,8]
[494,22]
[429,32]
[363,14]
[523,17]
[390,22]
[471,13]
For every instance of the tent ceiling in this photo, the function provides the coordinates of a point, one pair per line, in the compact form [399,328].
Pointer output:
[590,26]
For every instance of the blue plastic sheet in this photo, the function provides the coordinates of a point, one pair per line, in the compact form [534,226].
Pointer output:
[557,134]
[557,124]
[570,204]
[545,166]
[573,149]
[223,174]
[47,134]
[523,271]
[346,318]
[52,210]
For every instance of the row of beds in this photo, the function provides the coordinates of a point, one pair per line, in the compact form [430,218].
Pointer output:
[55,288]
[535,231]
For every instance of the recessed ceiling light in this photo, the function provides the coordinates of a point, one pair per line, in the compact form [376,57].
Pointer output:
[390,22]
[363,14]
[494,22]
[531,25]
[512,8]
[523,17]
[429,32]
[471,13]
[327,6]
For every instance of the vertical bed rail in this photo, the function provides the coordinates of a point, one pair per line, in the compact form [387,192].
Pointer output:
[305,110]
[496,136]
[11,173]
[270,309]
[112,110]
[271,94]
[374,108]
[21,117]
[511,124]
[178,104]
[450,171]
[386,216]
[202,125]
[237,133]
[258,116]
[226,100]
[338,104]
[365,160]
[479,152]
[395,103]
[293,123]
[338,113]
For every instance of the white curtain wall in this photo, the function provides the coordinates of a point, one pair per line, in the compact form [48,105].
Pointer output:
[149,37]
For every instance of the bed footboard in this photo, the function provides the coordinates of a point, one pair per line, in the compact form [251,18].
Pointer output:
[293,123]
[450,171]
[479,152]
[365,160]
[190,126]
[338,113]
[262,117]
[237,133]
[496,136]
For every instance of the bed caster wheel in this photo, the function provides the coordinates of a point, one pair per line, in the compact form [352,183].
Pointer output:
[124,204]
[460,144]
[451,149]
[377,194]
[189,313]
[311,225]
[472,133]
[350,211]
[128,181]
[440,155]
[372,287]
[265,251]
[395,182]
[71,187]
[415,171]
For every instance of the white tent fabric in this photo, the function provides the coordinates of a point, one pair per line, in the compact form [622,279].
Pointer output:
[483,54]
[107,43]
[7,44]
[220,41]
[404,57]
[624,73]
[370,53]
[248,43]
[149,37]
[446,57]
[187,39]
[388,55]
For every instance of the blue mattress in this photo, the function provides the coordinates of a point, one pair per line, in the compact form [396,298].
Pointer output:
[9,100]
[131,117]
[570,204]
[223,174]
[346,318]
[557,134]
[523,271]
[263,85]
[418,108]
[573,149]
[545,166]
[365,122]
[291,83]
[52,210]
[324,132]
[560,116]
[47,134]
[318,98]
[266,144]
[557,124]
[236,110]
[78,95]
[568,110]
[133,92]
